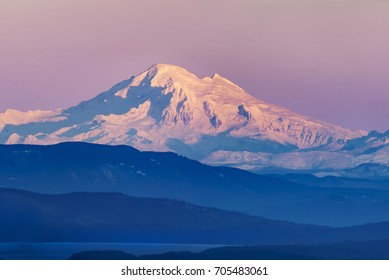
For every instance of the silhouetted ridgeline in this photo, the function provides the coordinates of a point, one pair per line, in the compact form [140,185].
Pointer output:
[372,250]
[112,217]
[82,167]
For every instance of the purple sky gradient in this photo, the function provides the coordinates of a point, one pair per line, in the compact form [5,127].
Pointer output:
[328,59]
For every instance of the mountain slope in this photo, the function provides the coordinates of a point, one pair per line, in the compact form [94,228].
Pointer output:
[166,108]
[113,217]
[83,167]
[361,157]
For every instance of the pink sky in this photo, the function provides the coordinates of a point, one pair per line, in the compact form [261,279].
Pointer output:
[328,59]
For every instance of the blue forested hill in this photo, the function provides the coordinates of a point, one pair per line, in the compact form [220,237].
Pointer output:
[82,167]
[113,217]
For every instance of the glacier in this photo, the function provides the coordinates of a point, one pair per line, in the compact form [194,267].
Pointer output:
[211,119]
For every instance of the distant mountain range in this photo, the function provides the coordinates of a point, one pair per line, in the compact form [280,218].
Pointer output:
[152,160]
[84,167]
[367,250]
[166,108]
[113,217]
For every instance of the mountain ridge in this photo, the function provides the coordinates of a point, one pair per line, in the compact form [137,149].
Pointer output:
[167,108]
[84,167]
[114,217]
[174,97]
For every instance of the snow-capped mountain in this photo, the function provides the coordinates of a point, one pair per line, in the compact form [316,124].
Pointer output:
[167,108]
[372,142]
[370,151]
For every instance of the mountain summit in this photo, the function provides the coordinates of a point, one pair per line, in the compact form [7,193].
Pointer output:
[167,108]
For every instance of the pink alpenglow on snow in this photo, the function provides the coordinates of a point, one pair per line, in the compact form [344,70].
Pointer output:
[325,59]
